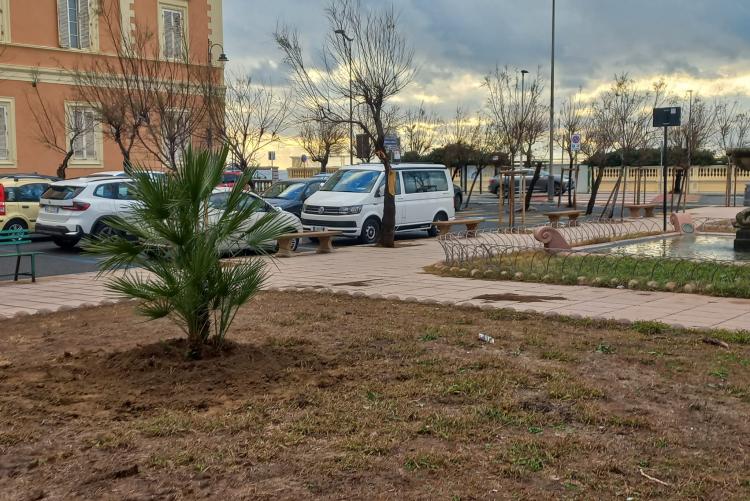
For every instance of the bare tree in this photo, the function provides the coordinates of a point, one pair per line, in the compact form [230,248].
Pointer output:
[732,126]
[504,109]
[380,63]
[598,139]
[631,110]
[572,119]
[143,98]
[535,126]
[421,129]
[692,135]
[61,130]
[321,139]
[248,118]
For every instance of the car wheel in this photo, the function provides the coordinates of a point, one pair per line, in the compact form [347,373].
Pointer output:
[434,231]
[557,189]
[457,201]
[103,230]
[65,243]
[370,231]
[16,225]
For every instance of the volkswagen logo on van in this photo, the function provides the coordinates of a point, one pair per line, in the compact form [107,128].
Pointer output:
[321,210]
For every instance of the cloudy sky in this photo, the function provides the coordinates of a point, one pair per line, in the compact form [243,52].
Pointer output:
[694,44]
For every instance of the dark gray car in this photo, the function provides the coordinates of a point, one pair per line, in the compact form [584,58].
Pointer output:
[539,187]
[290,194]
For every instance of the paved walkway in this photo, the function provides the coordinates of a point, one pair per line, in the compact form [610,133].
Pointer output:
[397,274]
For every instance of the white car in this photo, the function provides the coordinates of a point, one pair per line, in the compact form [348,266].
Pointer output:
[74,208]
[351,201]
[217,203]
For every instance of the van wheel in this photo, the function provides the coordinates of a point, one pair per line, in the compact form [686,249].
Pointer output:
[434,231]
[370,231]
[16,225]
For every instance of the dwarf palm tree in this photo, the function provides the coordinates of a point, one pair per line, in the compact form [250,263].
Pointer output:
[171,250]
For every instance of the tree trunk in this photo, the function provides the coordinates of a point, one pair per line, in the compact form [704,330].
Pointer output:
[473,183]
[63,167]
[198,336]
[532,184]
[324,165]
[595,190]
[388,227]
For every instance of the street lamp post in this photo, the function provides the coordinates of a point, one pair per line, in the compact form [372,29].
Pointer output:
[349,39]
[550,177]
[523,107]
[222,59]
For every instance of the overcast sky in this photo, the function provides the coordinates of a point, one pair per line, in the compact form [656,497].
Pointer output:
[695,44]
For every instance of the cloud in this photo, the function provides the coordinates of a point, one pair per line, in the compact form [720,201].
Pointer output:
[698,44]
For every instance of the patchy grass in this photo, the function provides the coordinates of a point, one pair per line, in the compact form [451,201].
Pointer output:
[609,270]
[326,396]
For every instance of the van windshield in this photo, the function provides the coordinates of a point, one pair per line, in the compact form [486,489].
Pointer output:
[352,181]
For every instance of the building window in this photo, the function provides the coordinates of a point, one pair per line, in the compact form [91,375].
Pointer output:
[82,131]
[7,132]
[173,37]
[73,18]
[4,21]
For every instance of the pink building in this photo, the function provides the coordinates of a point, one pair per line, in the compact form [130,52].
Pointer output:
[43,41]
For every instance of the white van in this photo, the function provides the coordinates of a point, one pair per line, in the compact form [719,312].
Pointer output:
[351,201]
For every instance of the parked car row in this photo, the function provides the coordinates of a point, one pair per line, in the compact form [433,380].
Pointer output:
[349,201]
[73,209]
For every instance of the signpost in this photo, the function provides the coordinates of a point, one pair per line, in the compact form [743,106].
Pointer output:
[392,145]
[575,142]
[666,117]
[271,157]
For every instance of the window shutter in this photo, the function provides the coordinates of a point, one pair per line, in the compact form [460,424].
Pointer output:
[63,32]
[90,135]
[168,34]
[178,34]
[84,28]
[4,153]
[78,144]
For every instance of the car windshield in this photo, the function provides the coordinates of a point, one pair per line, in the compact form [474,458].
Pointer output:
[287,191]
[352,181]
[230,178]
[219,201]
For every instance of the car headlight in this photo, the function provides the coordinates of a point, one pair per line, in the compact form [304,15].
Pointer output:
[352,209]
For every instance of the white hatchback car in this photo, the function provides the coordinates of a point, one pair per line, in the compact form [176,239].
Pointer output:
[288,221]
[74,208]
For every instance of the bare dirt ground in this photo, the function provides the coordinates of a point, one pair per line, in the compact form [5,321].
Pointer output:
[331,397]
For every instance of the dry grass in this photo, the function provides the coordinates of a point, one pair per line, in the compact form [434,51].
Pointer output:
[334,397]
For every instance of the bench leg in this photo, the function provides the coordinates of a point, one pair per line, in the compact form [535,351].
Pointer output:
[649,212]
[18,265]
[554,222]
[285,247]
[573,220]
[471,229]
[324,245]
[636,213]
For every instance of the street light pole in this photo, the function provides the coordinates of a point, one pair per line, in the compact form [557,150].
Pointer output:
[349,39]
[550,177]
[523,107]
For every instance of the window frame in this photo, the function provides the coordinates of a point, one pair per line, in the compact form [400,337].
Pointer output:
[70,108]
[5,21]
[9,103]
[180,6]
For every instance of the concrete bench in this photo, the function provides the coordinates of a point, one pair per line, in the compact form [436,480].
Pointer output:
[471,225]
[572,215]
[324,241]
[635,209]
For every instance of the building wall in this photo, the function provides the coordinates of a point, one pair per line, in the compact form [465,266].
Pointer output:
[32,60]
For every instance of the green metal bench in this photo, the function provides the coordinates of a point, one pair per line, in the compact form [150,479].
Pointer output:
[17,238]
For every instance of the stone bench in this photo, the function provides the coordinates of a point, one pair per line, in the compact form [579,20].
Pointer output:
[635,209]
[471,225]
[324,241]
[572,215]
